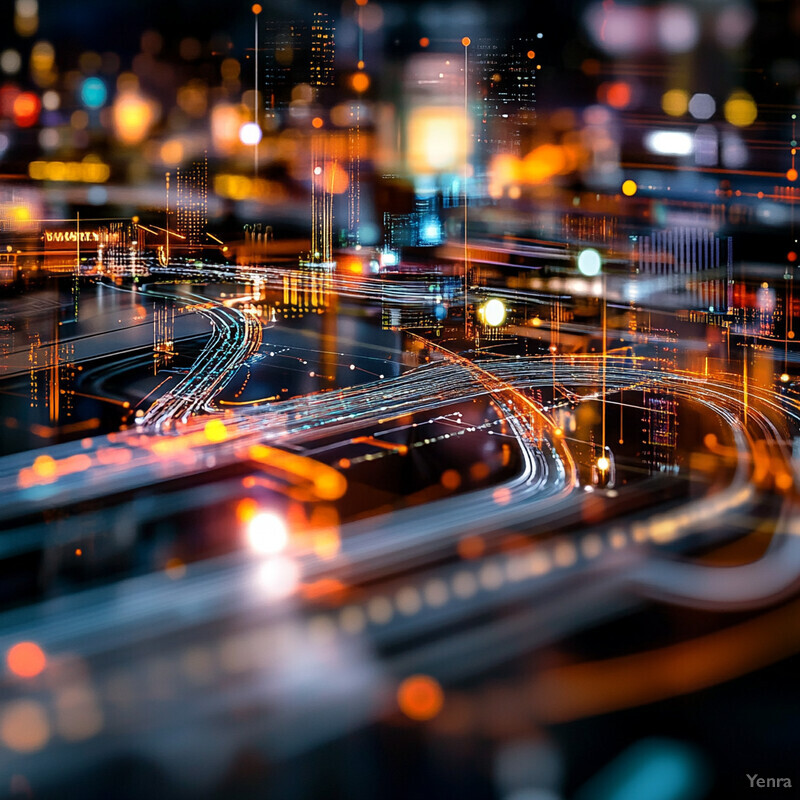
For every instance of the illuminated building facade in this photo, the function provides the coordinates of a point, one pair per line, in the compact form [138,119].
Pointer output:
[322,50]
[297,53]
[324,169]
[283,53]
[659,432]
[505,76]
[304,291]
[8,267]
[34,351]
[353,235]
[192,202]
[52,373]
[759,310]
[590,229]
[695,264]
[118,251]
[422,227]
[163,332]
[416,300]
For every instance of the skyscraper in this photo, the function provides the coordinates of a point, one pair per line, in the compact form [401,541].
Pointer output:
[695,265]
[192,202]
[659,431]
[505,76]
[298,53]
[322,50]
[283,55]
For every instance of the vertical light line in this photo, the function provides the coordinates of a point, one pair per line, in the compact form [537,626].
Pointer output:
[313,198]
[744,381]
[605,322]
[789,324]
[787,312]
[744,369]
[466,42]
[167,219]
[360,36]
[255,91]
[77,265]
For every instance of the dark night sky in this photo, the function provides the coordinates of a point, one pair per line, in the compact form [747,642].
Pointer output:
[117,24]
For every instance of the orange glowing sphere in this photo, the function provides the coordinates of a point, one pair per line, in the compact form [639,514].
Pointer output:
[26,659]
[450,479]
[420,697]
[256,8]
[531,54]
[424,41]
[317,122]
[791,175]
[466,41]
[360,82]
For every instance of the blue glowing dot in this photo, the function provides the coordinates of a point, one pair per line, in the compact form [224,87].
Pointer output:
[97,196]
[93,93]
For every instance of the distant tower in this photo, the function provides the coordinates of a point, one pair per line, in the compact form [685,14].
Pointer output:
[693,263]
[34,361]
[506,78]
[68,375]
[283,54]
[116,249]
[660,431]
[321,204]
[322,51]
[54,375]
[354,174]
[297,53]
[163,332]
[192,202]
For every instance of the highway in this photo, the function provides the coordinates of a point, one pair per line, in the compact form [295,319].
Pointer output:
[406,594]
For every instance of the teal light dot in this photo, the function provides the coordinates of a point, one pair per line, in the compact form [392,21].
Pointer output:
[93,93]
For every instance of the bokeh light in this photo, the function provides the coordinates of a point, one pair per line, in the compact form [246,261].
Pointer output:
[589,262]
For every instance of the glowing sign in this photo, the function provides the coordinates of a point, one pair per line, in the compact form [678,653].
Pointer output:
[70,237]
